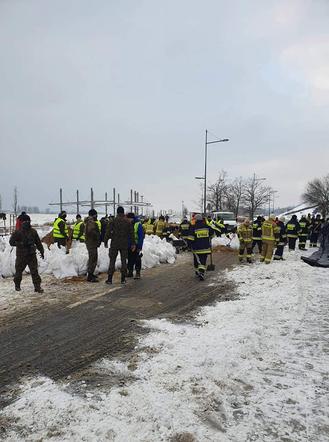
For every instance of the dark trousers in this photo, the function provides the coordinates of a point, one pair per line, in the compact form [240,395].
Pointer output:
[200,261]
[292,243]
[257,242]
[302,242]
[32,263]
[134,261]
[92,259]
[314,239]
[279,252]
[113,253]
[60,242]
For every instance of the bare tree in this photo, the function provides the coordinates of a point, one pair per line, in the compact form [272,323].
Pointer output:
[15,200]
[255,195]
[235,195]
[317,193]
[217,192]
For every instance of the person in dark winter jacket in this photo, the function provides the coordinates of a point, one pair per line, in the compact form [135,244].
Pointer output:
[135,255]
[303,233]
[93,241]
[315,229]
[282,239]
[19,220]
[27,241]
[121,232]
[257,233]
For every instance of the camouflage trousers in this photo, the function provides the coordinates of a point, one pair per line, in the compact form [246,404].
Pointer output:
[20,265]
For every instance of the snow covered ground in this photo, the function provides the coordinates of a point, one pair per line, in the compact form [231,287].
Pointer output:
[56,262]
[254,369]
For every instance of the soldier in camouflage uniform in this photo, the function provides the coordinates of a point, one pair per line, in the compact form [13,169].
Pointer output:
[27,241]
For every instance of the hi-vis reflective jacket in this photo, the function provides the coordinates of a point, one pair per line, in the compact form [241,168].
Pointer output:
[221,226]
[58,230]
[212,225]
[245,234]
[159,227]
[270,231]
[201,237]
[148,227]
[292,228]
[78,231]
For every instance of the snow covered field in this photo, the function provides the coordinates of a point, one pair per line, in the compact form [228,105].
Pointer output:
[254,369]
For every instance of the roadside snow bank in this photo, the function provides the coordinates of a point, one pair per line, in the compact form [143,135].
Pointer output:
[252,369]
[56,262]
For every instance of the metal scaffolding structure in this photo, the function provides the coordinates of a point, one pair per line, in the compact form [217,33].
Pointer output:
[135,203]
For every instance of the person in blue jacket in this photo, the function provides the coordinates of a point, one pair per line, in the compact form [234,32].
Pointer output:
[135,257]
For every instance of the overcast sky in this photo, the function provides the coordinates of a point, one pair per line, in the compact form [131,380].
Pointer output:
[119,93]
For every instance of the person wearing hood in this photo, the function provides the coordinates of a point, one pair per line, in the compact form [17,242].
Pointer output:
[200,241]
[245,238]
[121,232]
[282,239]
[292,229]
[60,230]
[27,241]
[93,241]
[135,255]
[270,236]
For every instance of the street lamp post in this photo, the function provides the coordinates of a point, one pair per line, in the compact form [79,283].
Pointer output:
[205,168]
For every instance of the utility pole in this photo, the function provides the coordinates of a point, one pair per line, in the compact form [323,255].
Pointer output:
[78,205]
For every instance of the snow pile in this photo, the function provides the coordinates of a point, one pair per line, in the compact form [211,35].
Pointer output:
[251,369]
[61,265]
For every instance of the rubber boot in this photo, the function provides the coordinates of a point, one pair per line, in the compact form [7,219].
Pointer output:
[109,280]
[38,290]
[91,278]
[123,278]
[17,287]
[138,274]
[130,274]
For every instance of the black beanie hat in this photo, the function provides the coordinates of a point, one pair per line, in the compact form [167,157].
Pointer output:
[92,212]
[120,209]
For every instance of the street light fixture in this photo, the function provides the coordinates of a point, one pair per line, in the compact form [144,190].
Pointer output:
[205,167]
[199,177]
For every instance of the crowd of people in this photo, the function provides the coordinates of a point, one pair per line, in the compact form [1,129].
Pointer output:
[126,233]
[271,235]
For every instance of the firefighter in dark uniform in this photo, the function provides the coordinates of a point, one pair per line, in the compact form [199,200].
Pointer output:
[93,241]
[292,229]
[303,233]
[257,234]
[200,241]
[27,241]
[282,239]
[184,229]
[315,231]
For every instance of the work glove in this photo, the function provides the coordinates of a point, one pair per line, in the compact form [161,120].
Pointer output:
[42,255]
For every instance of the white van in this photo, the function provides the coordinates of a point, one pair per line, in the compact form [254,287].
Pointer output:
[229,219]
